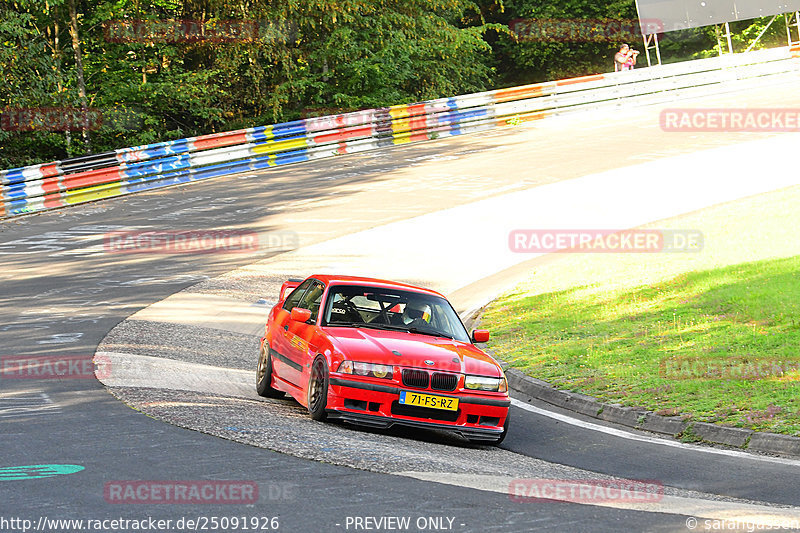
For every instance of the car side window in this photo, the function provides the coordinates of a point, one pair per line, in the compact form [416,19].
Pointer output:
[294,298]
[312,299]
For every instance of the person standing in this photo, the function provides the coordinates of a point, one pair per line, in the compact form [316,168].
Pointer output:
[625,58]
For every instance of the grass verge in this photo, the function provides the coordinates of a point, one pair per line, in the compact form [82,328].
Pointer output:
[711,335]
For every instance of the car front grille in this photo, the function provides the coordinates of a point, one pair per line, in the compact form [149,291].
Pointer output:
[447,382]
[415,378]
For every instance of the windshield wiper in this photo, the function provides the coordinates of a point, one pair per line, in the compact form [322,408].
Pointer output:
[367,325]
[429,332]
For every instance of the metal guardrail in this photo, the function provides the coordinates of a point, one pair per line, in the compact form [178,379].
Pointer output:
[57,184]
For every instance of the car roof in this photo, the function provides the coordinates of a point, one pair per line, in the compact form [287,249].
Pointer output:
[333,279]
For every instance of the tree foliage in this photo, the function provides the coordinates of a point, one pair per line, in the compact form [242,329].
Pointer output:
[295,58]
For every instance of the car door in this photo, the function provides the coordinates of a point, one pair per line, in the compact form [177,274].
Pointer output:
[283,360]
[304,333]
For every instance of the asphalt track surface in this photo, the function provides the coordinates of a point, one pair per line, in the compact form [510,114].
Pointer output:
[61,296]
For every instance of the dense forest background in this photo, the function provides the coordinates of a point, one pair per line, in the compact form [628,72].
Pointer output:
[253,62]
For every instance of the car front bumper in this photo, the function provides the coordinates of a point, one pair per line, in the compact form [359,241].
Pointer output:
[479,417]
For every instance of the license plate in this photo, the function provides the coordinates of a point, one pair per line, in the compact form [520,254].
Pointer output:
[428,400]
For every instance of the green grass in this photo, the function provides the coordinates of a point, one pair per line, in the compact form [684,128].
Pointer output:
[690,334]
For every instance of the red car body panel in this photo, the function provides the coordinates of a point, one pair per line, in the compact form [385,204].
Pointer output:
[373,401]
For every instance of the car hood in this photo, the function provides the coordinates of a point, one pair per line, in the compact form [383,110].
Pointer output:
[383,347]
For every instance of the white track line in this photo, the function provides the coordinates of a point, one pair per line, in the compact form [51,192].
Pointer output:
[760,517]
[650,440]
[130,370]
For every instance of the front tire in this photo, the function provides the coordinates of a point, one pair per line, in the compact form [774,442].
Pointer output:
[264,374]
[502,436]
[318,390]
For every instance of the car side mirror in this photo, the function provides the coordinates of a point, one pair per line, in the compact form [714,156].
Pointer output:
[300,315]
[480,335]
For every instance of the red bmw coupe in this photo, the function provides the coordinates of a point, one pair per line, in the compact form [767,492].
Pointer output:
[379,353]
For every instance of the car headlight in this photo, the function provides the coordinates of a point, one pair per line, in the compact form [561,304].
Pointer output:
[487,384]
[366,369]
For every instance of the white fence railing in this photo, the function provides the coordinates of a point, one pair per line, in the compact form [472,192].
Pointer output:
[129,170]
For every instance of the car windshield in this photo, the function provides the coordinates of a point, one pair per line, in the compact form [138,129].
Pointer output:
[392,309]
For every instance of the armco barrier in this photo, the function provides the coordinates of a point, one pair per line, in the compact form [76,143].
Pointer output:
[128,170]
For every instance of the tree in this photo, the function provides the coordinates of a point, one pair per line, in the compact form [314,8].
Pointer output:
[165,69]
[32,78]
[564,47]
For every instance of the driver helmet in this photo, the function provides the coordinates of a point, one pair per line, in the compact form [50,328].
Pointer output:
[416,310]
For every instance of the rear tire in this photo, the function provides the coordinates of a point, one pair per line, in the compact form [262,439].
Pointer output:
[318,390]
[264,374]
